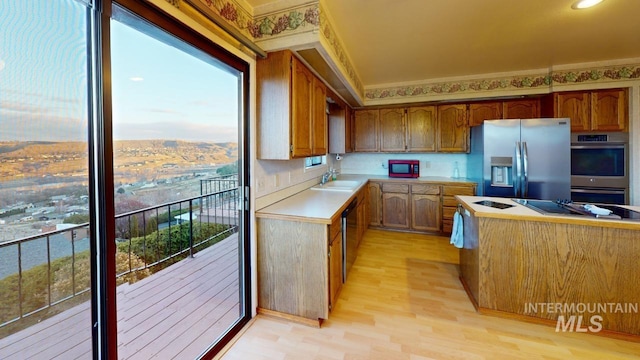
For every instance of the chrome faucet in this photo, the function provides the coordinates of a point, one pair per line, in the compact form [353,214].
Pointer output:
[325,178]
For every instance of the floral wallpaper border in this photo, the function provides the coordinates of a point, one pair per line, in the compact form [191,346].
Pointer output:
[617,73]
[330,35]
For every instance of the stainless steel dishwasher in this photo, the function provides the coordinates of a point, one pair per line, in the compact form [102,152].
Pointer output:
[349,237]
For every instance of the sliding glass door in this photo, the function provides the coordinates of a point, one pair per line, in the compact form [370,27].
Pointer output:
[177,145]
[123,165]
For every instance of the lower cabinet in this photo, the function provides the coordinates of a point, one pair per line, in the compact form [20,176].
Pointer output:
[449,203]
[395,205]
[425,208]
[335,260]
[415,206]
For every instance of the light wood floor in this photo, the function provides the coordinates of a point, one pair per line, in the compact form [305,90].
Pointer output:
[403,300]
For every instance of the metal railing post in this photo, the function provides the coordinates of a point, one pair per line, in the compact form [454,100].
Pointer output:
[190,228]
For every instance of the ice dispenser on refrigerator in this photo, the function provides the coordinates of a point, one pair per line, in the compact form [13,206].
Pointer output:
[501,171]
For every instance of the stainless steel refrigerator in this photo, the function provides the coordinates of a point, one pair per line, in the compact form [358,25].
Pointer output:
[522,158]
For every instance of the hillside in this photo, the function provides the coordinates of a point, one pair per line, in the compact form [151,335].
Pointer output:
[28,161]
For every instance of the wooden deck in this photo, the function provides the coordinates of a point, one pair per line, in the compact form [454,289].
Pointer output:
[176,313]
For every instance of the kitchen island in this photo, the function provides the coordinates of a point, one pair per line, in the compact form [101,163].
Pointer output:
[577,273]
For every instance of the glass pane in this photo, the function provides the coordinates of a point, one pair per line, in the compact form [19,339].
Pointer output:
[176,134]
[45,267]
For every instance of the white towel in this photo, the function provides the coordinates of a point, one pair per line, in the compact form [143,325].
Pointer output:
[457,236]
[597,210]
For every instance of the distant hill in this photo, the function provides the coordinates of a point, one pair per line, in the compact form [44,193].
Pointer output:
[26,160]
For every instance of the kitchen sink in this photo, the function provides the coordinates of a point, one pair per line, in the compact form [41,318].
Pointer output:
[338,185]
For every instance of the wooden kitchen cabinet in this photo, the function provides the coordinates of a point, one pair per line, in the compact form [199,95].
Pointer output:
[609,110]
[392,130]
[363,213]
[375,204]
[340,126]
[366,130]
[319,118]
[479,112]
[453,131]
[291,116]
[575,106]
[425,208]
[449,202]
[421,129]
[594,110]
[395,206]
[335,260]
[521,109]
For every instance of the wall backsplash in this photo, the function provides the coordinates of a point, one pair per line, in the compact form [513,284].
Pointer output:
[430,164]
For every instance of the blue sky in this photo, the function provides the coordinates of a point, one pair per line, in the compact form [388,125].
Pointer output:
[158,92]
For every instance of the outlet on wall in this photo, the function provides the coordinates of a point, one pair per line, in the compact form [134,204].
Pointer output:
[385,165]
[427,164]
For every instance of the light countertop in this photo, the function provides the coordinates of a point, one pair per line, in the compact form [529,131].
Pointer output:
[520,212]
[321,206]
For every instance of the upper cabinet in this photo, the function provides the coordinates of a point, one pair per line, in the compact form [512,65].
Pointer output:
[521,109]
[508,109]
[596,110]
[365,127]
[411,129]
[453,131]
[421,129]
[479,112]
[392,130]
[291,104]
[340,129]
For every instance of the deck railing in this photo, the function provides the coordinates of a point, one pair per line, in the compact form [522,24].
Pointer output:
[147,240]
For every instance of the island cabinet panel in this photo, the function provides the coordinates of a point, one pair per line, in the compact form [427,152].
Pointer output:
[375,204]
[421,129]
[366,131]
[453,130]
[392,130]
[293,268]
[512,267]
[521,109]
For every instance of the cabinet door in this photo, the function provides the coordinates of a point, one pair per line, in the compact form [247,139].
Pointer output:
[425,212]
[575,106]
[319,118]
[521,109]
[365,128]
[479,112]
[609,111]
[453,132]
[395,210]
[392,130]
[302,87]
[335,269]
[348,130]
[375,208]
[421,129]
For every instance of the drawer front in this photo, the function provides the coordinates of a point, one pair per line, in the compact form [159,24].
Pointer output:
[449,201]
[425,189]
[458,190]
[447,226]
[395,188]
[447,212]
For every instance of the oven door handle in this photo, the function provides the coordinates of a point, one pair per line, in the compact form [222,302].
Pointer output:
[599,191]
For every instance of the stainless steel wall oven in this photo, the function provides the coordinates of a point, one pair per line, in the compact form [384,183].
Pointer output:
[599,167]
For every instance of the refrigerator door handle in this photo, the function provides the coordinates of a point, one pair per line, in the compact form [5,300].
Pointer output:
[525,174]
[518,174]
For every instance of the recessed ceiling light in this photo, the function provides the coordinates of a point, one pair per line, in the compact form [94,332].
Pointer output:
[136,78]
[583,4]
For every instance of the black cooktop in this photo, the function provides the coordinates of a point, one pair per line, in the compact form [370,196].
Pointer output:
[548,207]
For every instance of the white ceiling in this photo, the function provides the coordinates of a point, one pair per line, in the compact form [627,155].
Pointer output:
[400,41]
